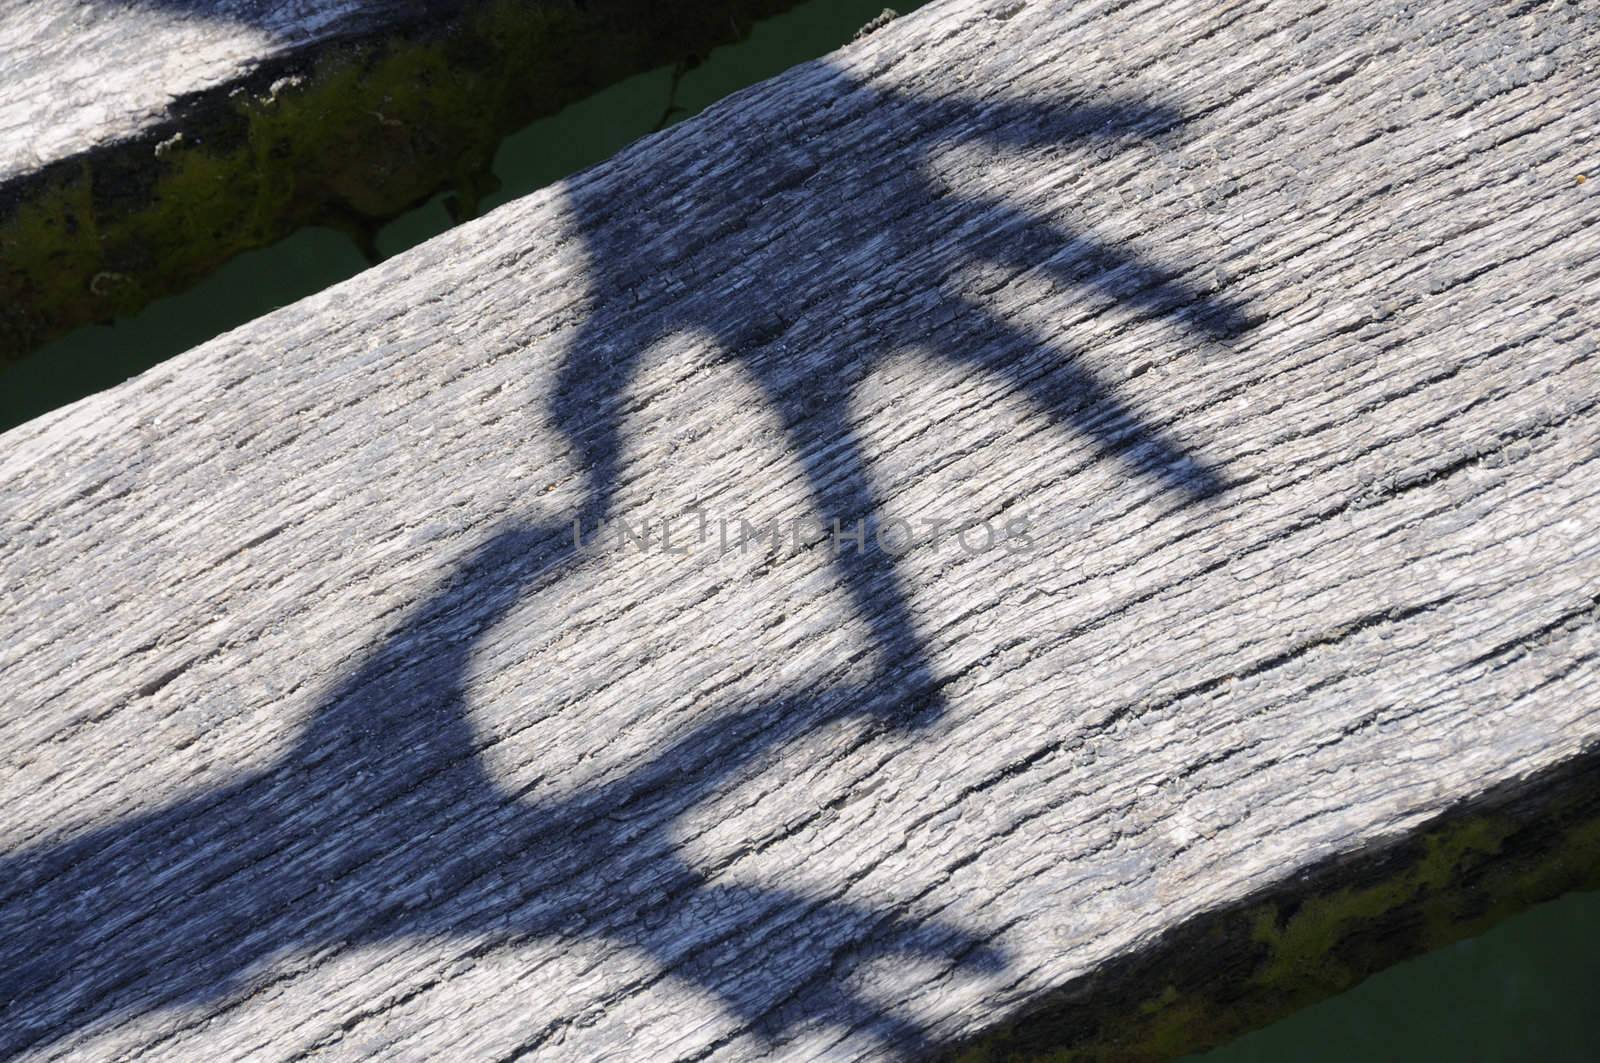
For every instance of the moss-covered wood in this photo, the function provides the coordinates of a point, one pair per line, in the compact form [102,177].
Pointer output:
[1236,970]
[349,130]
[1217,391]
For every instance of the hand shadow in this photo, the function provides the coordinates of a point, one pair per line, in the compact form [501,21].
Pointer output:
[734,252]
[382,823]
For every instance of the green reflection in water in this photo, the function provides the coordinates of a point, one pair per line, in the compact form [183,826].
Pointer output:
[1519,992]
[100,356]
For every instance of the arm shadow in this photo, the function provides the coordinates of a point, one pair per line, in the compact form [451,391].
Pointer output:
[381,823]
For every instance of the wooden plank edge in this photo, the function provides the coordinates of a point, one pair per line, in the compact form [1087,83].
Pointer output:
[347,133]
[1300,941]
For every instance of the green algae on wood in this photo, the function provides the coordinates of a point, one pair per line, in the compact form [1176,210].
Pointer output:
[1233,972]
[350,136]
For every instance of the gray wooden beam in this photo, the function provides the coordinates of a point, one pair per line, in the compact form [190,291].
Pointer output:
[1259,337]
[145,142]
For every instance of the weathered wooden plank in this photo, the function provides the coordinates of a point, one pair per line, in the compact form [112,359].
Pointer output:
[1263,337]
[144,143]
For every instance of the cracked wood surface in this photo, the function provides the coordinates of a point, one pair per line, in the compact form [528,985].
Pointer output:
[83,75]
[1262,335]
[144,143]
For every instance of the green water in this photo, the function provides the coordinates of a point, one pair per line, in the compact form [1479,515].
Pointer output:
[102,356]
[1518,992]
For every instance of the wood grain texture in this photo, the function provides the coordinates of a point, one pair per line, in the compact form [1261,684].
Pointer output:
[1261,335]
[80,76]
[145,142]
